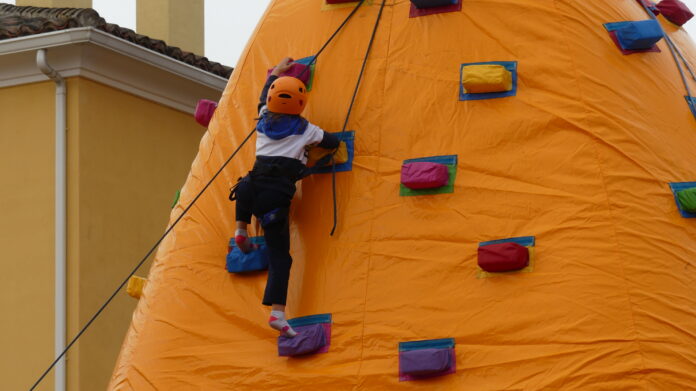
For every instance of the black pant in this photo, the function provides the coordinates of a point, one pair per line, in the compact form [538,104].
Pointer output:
[259,197]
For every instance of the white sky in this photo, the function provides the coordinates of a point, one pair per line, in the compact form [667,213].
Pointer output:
[229,23]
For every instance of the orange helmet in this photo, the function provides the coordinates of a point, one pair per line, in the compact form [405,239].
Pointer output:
[287,95]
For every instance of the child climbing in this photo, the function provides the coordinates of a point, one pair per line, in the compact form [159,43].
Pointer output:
[267,191]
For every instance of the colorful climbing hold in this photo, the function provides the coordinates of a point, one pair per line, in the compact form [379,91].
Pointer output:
[485,78]
[424,175]
[204,111]
[488,80]
[240,262]
[449,161]
[135,286]
[687,199]
[639,35]
[426,359]
[313,336]
[675,11]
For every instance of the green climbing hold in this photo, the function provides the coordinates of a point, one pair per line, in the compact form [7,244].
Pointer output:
[687,199]
[176,198]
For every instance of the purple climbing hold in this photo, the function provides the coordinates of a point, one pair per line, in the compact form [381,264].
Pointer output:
[309,339]
[424,362]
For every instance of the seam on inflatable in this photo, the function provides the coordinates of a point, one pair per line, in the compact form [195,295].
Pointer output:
[372,220]
[636,339]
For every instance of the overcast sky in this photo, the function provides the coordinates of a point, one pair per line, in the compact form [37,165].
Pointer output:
[229,23]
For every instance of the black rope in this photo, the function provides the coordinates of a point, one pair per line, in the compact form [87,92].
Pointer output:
[350,110]
[314,58]
[157,243]
[142,261]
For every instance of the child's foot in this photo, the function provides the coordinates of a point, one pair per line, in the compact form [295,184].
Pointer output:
[278,322]
[241,238]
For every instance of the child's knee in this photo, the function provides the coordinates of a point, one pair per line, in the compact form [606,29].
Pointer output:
[276,218]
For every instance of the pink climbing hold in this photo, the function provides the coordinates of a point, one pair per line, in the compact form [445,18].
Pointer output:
[204,111]
[424,175]
[297,70]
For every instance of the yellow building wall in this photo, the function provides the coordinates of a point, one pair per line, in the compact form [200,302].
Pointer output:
[127,157]
[26,234]
[178,22]
[134,155]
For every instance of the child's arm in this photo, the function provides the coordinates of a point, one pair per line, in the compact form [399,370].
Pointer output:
[329,141]
[282,66]
[264,92]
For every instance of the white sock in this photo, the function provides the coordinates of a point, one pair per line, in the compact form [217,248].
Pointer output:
[278,322]
[241,238]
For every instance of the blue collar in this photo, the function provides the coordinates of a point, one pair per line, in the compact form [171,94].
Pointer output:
[279,126]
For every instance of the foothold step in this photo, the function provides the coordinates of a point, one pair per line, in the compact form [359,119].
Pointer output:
[204,111]
[432,7]
[313,336]
[421,4]
[675,11]
[435,177]
[488,80]
[637,35]
[426,359]
[343,162]
[685,198]
[302,69]
[424,175]
[135,286]
[316,154]
[256,260]
[504,256]
[640,35]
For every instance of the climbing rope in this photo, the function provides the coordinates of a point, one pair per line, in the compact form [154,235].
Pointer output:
[190,205]
[676,54]
[350,110]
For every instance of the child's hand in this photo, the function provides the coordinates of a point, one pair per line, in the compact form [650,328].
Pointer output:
[282,66]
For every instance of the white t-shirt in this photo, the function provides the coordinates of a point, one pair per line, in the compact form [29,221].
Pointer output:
[292,146]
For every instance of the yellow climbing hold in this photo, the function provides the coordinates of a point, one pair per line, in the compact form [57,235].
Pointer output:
[316,153]
[135,286]
[484,78]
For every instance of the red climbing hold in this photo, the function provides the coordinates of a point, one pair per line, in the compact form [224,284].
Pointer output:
[503,257]
[675,11]
[424,175]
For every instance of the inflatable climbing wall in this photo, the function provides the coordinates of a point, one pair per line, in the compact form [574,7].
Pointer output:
[508,214]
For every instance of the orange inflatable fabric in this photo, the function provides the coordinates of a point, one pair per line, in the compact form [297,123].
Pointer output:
[581,158]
